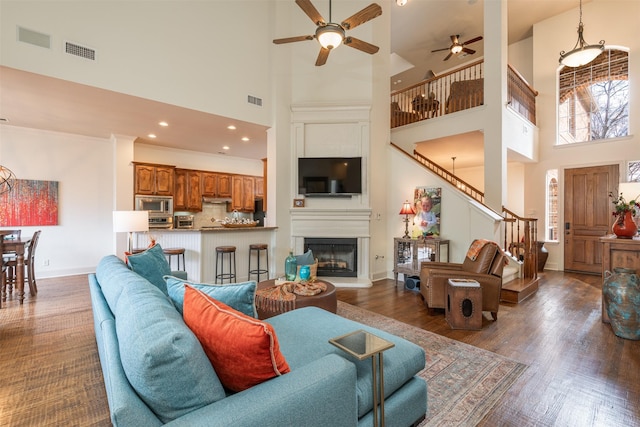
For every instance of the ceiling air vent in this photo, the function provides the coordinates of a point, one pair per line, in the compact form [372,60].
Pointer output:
[254,100]
[33,37]
[81,51]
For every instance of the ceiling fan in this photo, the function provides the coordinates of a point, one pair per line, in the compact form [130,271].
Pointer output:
[457,47]
[330,35]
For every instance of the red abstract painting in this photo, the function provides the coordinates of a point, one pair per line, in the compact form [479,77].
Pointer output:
[30,202]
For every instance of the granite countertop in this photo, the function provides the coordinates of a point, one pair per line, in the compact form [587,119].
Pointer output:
[208,229]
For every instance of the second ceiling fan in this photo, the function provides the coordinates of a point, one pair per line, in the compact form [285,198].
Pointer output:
[457,47]
[331,35]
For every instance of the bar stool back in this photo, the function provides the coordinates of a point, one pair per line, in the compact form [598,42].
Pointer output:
[258,248]
[230,274]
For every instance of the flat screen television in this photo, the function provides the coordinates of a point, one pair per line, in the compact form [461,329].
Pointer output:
[329,176]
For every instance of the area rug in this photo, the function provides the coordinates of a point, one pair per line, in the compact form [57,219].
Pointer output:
[463,382]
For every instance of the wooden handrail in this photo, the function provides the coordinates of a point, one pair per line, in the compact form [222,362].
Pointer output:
[520,233]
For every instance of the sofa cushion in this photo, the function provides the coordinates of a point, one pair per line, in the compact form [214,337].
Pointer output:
[244,351]
[162,359]
[314,327]
[114,276]
[152,265]
[239,296]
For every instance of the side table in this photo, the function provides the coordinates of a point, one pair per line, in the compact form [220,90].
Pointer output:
[362,345]
[464,304]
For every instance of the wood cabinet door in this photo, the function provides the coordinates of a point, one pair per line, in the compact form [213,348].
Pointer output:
[237,185]
[180,190]
[194,193]
[248,198]
[209,184]
[164,180]
[144,177]
[224,185]
[587,215]
[259,187]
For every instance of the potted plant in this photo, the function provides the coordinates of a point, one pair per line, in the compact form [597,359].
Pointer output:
[624,225]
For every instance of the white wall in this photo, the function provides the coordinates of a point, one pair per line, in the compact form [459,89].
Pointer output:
[550,37]
[83,168]
[203,55]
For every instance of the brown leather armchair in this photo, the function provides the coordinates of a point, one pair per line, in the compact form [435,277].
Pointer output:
[486,269]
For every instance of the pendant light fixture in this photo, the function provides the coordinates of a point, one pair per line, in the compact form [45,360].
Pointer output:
[582,52]
[7,180]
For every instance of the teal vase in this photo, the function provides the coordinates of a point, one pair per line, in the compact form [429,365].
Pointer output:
[305,272]
[621,292]
[290,267]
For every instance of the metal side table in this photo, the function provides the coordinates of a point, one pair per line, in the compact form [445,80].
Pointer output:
[362,345]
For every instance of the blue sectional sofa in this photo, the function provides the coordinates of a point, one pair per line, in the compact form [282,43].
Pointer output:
[174,383]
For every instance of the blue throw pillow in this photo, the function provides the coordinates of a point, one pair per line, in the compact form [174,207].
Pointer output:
[305,259]
[162,359]
[152,265]
[239,296]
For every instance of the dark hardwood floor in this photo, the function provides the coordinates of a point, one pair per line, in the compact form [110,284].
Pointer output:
[579,373]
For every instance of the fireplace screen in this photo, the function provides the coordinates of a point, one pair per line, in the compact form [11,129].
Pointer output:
[336,256]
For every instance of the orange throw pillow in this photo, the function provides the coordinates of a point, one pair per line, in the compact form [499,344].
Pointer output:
[243,351]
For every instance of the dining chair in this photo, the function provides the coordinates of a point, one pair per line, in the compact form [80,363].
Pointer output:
[10,256]
[29,266]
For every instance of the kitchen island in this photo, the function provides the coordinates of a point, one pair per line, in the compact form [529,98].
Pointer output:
[200,248]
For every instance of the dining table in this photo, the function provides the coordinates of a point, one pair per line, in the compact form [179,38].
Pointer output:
[17,247]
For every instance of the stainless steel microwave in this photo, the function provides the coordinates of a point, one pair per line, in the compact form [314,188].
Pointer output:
[156,205]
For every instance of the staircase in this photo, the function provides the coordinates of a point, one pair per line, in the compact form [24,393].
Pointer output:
[520,278]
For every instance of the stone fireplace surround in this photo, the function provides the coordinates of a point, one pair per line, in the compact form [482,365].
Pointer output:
[329,223]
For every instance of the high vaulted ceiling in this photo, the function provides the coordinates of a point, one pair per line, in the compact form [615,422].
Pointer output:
[35,101]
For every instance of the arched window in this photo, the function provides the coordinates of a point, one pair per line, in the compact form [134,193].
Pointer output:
[551,223]
[593,99]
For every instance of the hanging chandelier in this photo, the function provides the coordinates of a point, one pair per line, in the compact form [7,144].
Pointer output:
[7,180]
[582,52]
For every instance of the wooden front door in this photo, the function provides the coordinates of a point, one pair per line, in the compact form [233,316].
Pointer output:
[587,215]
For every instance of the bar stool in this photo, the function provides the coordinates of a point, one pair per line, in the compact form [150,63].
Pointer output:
[258,248]
[170,252]
[221,251]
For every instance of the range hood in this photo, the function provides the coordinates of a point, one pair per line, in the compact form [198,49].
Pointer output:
[216,200]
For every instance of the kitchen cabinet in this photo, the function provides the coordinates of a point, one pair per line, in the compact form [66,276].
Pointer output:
[409,254]
[209,184]
[259,187]
[224,185]
[242,197]
[188,193]
[153,179]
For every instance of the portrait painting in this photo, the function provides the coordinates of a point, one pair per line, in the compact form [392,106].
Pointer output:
[427,202]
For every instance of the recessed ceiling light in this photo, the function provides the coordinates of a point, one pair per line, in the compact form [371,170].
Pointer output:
[231,127]
[151,135]
[163,124]
[245,139]
[225,147]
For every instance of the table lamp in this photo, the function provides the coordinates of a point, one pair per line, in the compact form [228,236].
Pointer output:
[407,209]
[130,222]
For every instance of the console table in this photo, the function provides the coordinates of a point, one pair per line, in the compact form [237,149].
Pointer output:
[616,252]
[408,254]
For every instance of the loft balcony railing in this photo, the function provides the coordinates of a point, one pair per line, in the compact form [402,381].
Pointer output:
[519,232]
[458,90]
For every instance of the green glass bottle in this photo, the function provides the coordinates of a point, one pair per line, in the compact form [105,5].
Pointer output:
[290,267]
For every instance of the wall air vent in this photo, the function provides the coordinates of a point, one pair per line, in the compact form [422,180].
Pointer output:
[33,37]
[81,51]
[254,100]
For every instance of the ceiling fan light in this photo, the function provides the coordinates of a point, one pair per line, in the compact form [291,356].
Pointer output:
[401,2]
[456,49]
[330,36]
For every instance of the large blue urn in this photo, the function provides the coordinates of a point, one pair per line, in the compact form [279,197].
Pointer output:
[621,292]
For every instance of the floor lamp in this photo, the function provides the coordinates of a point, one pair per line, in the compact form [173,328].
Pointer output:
[130,222]
[406,210]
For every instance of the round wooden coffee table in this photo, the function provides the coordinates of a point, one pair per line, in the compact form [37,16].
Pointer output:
[326,300]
